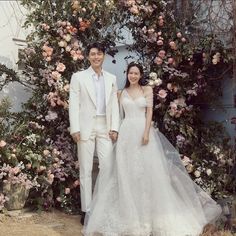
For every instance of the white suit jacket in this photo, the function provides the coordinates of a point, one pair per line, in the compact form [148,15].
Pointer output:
[82,103]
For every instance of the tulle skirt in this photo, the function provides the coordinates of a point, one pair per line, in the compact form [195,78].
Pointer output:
[149,191]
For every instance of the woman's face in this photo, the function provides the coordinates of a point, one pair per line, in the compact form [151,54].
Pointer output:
[134,75]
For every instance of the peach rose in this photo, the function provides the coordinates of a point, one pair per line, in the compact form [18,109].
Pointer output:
[2,143]
[60,67]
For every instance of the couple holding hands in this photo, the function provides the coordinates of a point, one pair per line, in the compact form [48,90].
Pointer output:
[142,188]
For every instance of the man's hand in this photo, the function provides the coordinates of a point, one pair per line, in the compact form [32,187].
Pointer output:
[76,137]
[113,135]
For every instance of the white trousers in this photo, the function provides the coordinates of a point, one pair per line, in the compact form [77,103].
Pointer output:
[100,140]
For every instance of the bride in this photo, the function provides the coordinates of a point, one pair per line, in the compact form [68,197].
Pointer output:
[149,191]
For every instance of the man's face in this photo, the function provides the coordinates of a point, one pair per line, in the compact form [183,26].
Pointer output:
[96,57]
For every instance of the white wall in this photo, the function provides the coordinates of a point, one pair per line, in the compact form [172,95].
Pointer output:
[11,21]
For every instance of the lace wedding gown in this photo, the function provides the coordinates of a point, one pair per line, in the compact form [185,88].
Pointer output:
[149,191]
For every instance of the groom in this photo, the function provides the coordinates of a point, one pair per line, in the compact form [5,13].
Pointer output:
[94,120]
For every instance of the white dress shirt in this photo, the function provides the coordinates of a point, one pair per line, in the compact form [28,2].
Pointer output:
[100,93]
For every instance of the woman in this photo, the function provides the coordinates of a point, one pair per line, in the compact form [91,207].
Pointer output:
[149,192]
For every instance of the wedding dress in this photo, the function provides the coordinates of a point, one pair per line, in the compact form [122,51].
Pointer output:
[149,191]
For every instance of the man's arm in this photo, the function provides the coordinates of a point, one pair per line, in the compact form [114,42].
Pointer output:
[74,108]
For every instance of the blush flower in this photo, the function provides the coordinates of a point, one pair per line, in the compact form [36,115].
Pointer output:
[162,93]
[61,67]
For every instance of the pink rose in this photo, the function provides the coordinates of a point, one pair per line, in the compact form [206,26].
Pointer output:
[170,60]
[67,190]
[28,166]
[179,35]
[158,61]
[60,67]
[183,40]
[161,22]
[159,42]
[169,86]
[58,199]
[67,87]
[2,143]
[134,9]
[162,54]
[56,75]
[172,45]
[162,93]
[48,58]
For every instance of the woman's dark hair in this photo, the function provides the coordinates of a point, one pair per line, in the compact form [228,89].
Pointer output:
[96,45]
[133,64]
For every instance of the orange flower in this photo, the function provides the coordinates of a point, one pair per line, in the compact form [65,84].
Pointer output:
[84,25]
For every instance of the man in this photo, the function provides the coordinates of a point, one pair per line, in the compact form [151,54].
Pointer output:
[94,120]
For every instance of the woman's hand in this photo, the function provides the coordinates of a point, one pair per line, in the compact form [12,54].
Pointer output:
[145,138]
[76,137]
[113,135]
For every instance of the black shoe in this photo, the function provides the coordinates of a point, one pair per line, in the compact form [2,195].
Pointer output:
[82,218]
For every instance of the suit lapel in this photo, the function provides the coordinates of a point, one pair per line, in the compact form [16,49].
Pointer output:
[90,86]
[108,86]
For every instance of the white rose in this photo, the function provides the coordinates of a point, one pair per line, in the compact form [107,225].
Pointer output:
[151,83]
[208,171]
[157,82]
[67,38]
[197,173]
[62,44]
[153,75]
[189,168]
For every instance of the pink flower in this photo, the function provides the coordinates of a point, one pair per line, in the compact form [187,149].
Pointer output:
[42,168]
[151,31]
[50,178]
[76,183]
[183,40]
[162,93]
[162,54]
[45,26]
[179,35]
[28,166]
[60,67]
[172,45]
[2,143]
[56,75]
[170,60]
[169,86]
[161,22]
[158,61]
[66,88]
[134,9]
[59,199]
[67,190]
[159,42]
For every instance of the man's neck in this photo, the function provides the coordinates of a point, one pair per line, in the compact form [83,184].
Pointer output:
[97,70]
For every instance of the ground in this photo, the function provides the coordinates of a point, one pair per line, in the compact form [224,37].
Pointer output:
[53,223]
